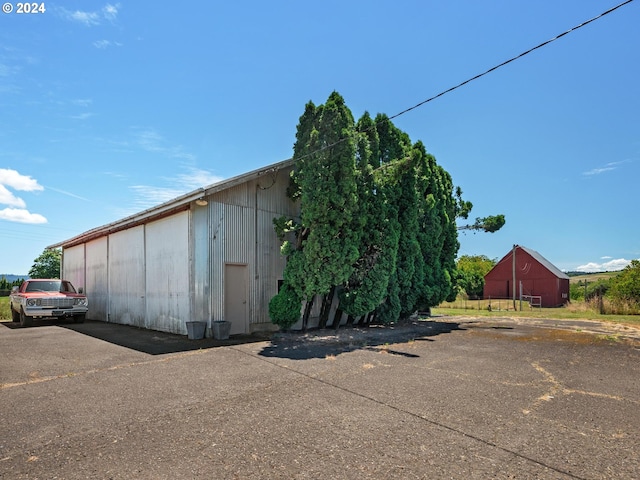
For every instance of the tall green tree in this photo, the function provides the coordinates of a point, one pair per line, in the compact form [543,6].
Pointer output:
[377,223]
[625,287]
[471,272]
[327,237]
[377,226]
[47,265]
[328,200]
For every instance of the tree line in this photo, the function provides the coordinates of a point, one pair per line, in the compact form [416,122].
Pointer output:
[377,227]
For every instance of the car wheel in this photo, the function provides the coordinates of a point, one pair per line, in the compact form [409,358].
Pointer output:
[25,320]
[79,318]
[15,316]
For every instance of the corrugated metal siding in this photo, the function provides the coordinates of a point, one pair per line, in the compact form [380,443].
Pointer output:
[167,274]
[216,252]
[201,264]
[160,274]
[127,277]
[97,284]
[73,266]
[239,235]
[240,195]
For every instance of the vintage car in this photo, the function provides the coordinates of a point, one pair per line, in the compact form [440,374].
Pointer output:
[47,298]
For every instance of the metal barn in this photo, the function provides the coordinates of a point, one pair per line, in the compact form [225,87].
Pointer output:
[535,277]
[208,255]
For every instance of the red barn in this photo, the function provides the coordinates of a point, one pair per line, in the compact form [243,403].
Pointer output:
[537,276]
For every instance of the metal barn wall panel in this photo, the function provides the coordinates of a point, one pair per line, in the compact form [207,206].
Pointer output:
[73,266]
[201,264]
[241,195]
[216,253]
[269,266]
[127,277]
[272,194]
[167,274]
[97,280]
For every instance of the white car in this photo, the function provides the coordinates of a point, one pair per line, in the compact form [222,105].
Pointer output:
[47,298]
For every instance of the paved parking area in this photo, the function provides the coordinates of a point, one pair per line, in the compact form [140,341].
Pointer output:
[448,398]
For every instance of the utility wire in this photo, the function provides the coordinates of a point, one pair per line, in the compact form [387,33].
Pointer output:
[512,59]
[506,62]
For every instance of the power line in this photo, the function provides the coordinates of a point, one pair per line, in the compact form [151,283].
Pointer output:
[512,59]
[480,75]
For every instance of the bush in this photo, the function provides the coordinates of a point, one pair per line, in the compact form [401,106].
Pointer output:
[284,308]
[625,287]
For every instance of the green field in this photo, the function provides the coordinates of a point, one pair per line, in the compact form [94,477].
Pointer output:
[5,313]
[504,308]
[592,277]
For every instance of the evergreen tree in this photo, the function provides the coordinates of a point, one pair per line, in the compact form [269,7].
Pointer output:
[378,220]
[378,232]
[329,201]
[46,265]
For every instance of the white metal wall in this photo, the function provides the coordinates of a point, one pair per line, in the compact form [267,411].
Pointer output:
[169,271]
[73,266]
[127,277]
[167,274]
[97,285]
[241,232]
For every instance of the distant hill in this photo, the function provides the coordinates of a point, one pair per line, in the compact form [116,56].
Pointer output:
[12,278]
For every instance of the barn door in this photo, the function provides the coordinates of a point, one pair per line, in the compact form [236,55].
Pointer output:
[235,297]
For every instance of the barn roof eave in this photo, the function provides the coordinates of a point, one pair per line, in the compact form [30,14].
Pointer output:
[175,205]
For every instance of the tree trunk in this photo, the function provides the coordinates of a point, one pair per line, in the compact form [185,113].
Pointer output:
[326,308]
[307,312]
[337,318]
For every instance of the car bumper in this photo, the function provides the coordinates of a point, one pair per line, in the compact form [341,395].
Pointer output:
[55,312]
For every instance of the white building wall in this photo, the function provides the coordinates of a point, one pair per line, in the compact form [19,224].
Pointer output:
[73,266]
[167,274]
[161,274]
[97,284]
[127,277]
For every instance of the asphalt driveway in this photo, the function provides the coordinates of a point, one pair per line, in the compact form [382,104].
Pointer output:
[449,398]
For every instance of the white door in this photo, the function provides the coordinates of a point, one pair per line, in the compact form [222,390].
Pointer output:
[235,298]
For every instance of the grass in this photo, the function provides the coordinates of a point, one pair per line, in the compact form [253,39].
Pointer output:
[478,308]
[502,308]
[5,312]
[592,277]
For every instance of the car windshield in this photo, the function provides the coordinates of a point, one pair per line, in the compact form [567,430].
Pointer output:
[50,286]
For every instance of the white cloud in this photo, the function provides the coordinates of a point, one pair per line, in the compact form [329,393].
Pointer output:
[6,70]
[21,216]
[196,178]
[609,266]
[104,44]
[13,179]
[87,18]
[149,196]
[82,102]
[152,141]
[108,12]
[605,168]
[82,116]
[8,198]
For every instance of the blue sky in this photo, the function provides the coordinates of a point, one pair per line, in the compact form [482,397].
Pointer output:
[108,108]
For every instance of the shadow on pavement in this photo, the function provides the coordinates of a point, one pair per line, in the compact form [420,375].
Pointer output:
[153,342]
[325,343]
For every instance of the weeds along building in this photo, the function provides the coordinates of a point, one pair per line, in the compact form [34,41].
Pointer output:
[211,254]
[531,274]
